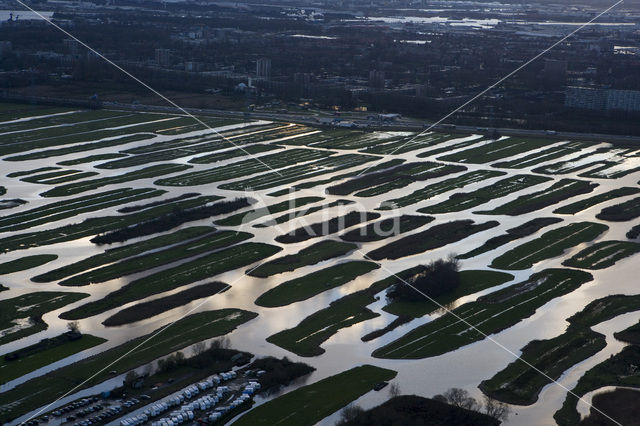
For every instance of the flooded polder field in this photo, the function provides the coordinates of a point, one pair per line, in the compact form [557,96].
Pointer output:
[542,228]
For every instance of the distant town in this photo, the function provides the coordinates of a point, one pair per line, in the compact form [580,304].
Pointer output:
[319,213]
[419,59]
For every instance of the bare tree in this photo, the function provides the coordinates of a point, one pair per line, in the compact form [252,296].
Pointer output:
[73,326]
[199,348]
[148,369]
[453,261]
[349,413]
[496,409]
[179,358]
[460,398]
[130,378]
[440,398]
[221,343]
[394,390]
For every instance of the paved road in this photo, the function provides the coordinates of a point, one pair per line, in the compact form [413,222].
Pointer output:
[360,121]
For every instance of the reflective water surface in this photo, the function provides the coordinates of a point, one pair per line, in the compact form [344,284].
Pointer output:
[465,367]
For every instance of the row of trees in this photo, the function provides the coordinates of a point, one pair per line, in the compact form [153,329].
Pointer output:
[217,353]
[409,409]
[461,398]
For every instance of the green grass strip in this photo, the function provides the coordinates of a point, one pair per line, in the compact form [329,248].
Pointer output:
[59,210]
[403,179]
[305,338]
[233,153]
[349,139]
[41,128]
[432,238]
[299,172]
[314,183]
[520,384]
[88,185]
[496,150]
[604,309]
[573,164]
[458,145]
[10,370]
[471,282]
[334,138]
[25,263]
[184,332]
[314,283]
[188,151]
[581,205]
[47,177]
[46,153]
[551,244]
[118,253]
[12,111]
[629,334]
[622,212]
[614,371]
[141,311]
[490,314]
[256,213]
[512,234]
[207,243]
[244,167]
[386,228]
[201,268]
[376,183]
[66,120]
[292,215]
[465,200]
[24,312]
[407,143]
[71,140]
[559,191]
[323,250]
[602,254]
[208,142]
[64,135]
[91,159]
[29,172]
[327,227]
[312,403]
[601,172]
[543,156]
[68,178]
[93,226]
[435,189]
